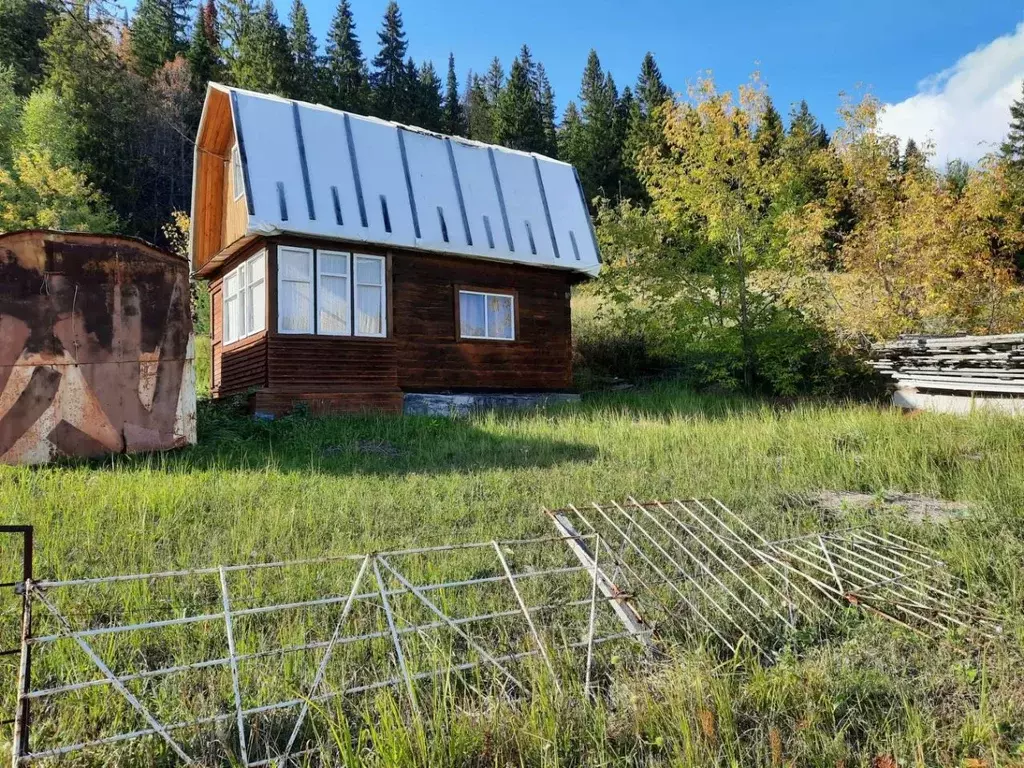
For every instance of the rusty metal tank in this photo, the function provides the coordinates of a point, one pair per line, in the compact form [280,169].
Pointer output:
[97,353]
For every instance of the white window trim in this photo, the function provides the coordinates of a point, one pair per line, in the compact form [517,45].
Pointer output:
[510,296]
[237,173]
[242,296]
[383,285]
[308,253]
[348,287]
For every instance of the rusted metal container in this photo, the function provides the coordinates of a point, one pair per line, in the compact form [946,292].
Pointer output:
[97,353]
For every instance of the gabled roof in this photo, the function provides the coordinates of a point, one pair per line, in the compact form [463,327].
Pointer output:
[316,171]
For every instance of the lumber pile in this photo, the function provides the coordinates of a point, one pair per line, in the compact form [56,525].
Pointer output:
[960,365]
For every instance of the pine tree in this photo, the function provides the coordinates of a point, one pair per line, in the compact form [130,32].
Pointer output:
[24,24]
[264,61]
[305,66]
[517,120]
[1012,149]
[454,118]
[390,76]
[429,110]
[157,33]
[479,110]
[770,133]
[494,81]
[203,62]
[546,102]
[346,70]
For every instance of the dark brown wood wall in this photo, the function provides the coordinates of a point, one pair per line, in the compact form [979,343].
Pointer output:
[431,355]
[423,351]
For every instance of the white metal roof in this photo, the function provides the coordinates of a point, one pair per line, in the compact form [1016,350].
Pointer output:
[312,170]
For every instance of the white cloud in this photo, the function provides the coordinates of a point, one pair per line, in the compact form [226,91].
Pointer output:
[965,110]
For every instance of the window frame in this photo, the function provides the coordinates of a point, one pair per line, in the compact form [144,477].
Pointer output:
[348,289]
[237,173]
[309,253]
[243,296]
[512,295]
[383,285]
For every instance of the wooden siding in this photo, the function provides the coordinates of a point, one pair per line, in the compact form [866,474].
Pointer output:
[423,351]
[433,357]
[215,215]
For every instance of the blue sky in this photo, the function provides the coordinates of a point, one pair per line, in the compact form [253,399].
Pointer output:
[803,50]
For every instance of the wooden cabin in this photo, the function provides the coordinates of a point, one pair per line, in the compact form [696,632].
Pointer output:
[352,260]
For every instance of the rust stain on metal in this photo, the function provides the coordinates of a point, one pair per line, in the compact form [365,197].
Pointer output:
[96,347]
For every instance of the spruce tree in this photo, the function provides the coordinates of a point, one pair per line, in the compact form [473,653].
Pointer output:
[264,61]
[479,110]
[234,16]
[347,86]
[1012,149]
[913,160]
[429,110]
[546,102]
[157,33]
[305,65]
[570,134]
[805,132]
[203,60]
[24,24]
[651,91]
[770,133]
[599,149]
[518,121]
[390,76]
[454,118]
[494,81]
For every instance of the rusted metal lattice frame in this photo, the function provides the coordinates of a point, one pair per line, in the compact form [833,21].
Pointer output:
[380,564]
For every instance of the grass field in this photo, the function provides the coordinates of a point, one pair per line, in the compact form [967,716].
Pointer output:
[301,487]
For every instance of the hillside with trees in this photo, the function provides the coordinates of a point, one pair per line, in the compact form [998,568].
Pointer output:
[741,240]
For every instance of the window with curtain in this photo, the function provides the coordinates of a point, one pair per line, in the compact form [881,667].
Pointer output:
[487,316]
[350,292]
[245,299]
[333,292]
[370,296]
[294,290]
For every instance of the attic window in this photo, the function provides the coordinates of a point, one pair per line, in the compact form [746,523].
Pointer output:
[237,180]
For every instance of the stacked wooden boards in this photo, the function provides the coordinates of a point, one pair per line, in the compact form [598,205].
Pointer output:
[955,373]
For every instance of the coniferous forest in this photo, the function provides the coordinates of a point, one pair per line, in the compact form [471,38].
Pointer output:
[741,241]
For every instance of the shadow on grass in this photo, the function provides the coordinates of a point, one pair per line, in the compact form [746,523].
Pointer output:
[229,440]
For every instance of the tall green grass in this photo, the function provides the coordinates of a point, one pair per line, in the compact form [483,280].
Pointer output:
[298,487]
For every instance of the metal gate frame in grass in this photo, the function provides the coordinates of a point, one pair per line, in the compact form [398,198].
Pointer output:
[697,568]
[499,618]
[582,612]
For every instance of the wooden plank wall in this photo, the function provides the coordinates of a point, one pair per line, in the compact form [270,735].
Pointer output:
[422,352]
[432,357]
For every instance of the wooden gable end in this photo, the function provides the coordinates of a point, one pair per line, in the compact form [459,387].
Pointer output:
[219,211]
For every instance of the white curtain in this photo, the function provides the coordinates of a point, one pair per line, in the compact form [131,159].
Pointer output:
[295,295]
[369,274]
[472,314]
[333,293]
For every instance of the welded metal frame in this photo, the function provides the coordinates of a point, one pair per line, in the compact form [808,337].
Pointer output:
[383,566]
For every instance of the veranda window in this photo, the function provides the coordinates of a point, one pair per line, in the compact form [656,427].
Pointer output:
[245,299]
[294,290]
